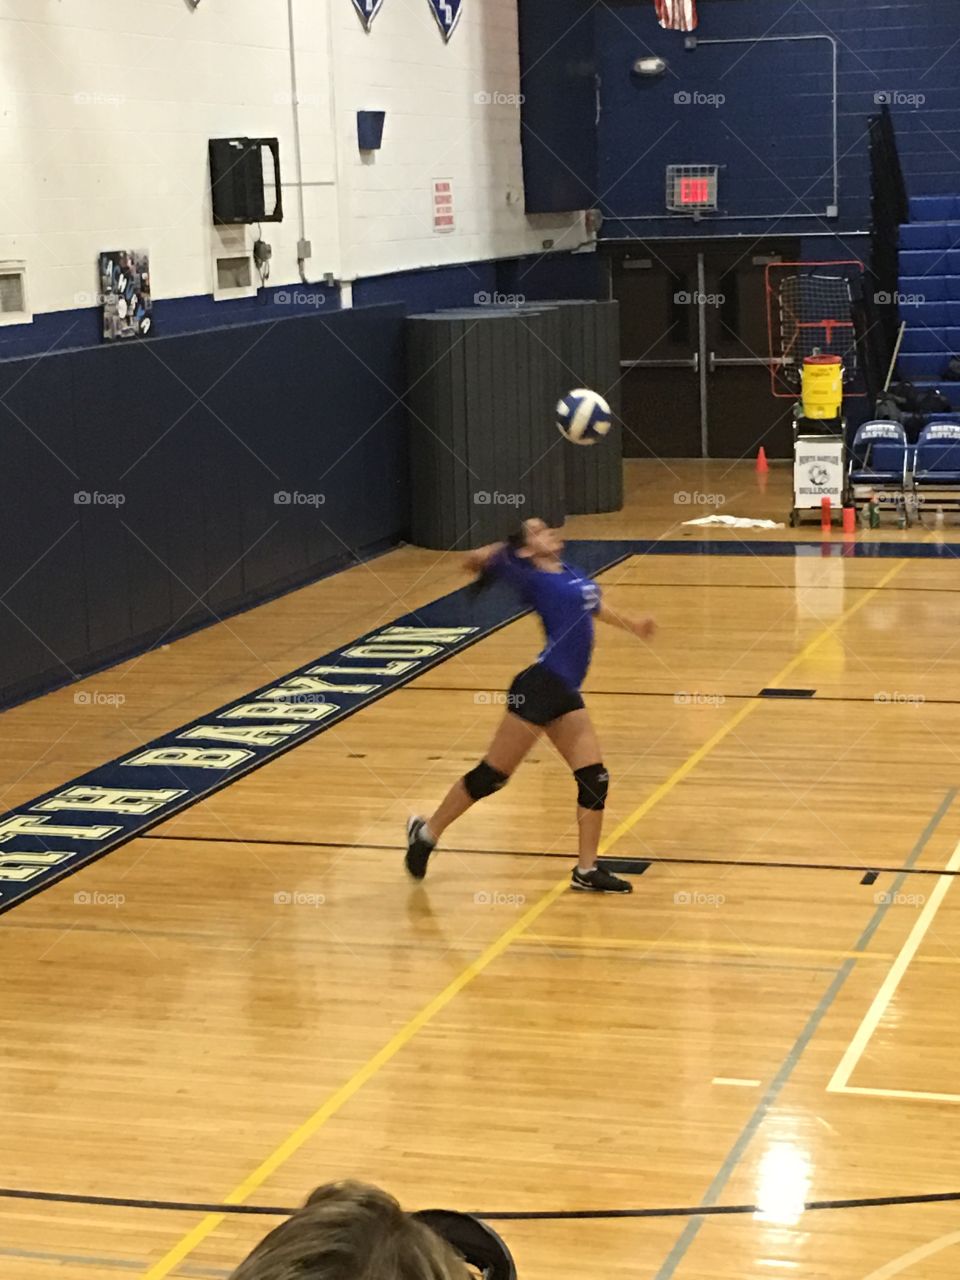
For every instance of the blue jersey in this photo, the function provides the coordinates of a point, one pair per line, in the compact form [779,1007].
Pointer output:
[566,603]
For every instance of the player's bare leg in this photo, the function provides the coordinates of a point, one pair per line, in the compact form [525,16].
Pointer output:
[575,738]
[511,742]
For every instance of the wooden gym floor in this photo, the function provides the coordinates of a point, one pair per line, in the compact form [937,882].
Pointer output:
[755,1026]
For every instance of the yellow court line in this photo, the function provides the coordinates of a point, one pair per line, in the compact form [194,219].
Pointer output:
[703,751]
[722,948]
[845,617]
[295,1141]
[309,1128]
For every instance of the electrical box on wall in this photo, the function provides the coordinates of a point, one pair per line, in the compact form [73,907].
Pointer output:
[245,187]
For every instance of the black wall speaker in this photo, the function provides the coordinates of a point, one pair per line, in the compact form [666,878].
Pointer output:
[370,130]
[237,183]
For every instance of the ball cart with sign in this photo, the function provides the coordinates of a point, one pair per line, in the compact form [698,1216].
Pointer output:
[819,470]
[813,360]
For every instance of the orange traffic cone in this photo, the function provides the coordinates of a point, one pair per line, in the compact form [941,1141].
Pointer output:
[762,465]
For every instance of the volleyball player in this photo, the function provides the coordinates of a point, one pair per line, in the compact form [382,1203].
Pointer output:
[545,698]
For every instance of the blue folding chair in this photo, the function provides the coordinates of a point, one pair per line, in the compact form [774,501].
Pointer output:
[936,471]
[879,463]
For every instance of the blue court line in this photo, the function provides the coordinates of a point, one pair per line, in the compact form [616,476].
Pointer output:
[828,548]
[114,1264]
[732,962]
[736,1153]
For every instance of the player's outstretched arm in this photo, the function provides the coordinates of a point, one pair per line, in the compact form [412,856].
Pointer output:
[476,561]
[644,626]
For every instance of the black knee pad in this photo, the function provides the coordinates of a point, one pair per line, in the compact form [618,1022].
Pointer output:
[483,780]
[592,783]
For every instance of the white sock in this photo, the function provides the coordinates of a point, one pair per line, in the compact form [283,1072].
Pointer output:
[427,835]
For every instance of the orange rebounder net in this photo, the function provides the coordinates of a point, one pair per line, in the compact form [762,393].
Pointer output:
[809,312]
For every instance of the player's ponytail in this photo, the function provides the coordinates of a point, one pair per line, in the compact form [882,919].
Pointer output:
[487,576]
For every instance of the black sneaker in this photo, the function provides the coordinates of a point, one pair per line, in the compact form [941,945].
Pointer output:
[418,850]
[599,881]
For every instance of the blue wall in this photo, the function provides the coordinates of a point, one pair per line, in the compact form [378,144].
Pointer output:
[547,276]
[535,278]
[432,289]
[81,327]
[558,113]
[773,130]
[539,276]
[181,444]
[138,491]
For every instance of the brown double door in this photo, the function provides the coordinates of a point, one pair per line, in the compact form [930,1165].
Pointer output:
[695,350]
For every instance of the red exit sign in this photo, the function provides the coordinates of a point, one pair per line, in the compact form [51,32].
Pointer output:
[695,191]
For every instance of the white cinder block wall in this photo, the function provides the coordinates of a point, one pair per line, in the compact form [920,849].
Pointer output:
[106,108]
[452,112]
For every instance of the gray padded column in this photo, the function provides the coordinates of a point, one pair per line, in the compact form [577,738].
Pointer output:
[590,357]
[483,444]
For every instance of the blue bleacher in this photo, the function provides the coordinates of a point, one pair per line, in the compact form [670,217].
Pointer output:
[930,262]
[919,338]
[930,235]
[929,315]
[928,367]
[929,296]
[934,208]
[922,289]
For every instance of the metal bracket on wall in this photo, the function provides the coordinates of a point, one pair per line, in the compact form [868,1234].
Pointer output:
[831,40]
[692,43]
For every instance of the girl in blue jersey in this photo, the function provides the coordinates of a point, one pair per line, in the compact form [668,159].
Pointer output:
[545,698]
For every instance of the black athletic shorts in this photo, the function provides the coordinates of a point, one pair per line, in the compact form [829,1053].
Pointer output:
[538,696]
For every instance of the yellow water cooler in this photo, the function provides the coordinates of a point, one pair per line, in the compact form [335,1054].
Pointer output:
[822,388]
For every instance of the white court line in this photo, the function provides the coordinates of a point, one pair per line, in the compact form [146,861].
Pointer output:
[906,1260]
[841,1077]
[917,1094]
[742,1084]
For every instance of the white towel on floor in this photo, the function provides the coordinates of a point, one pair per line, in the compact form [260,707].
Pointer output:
[736,522]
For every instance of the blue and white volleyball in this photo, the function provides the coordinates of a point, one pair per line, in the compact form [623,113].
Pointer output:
[583,416]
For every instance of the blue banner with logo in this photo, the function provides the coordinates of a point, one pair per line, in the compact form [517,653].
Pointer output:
[59,832]
[447,14]
[368,10]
